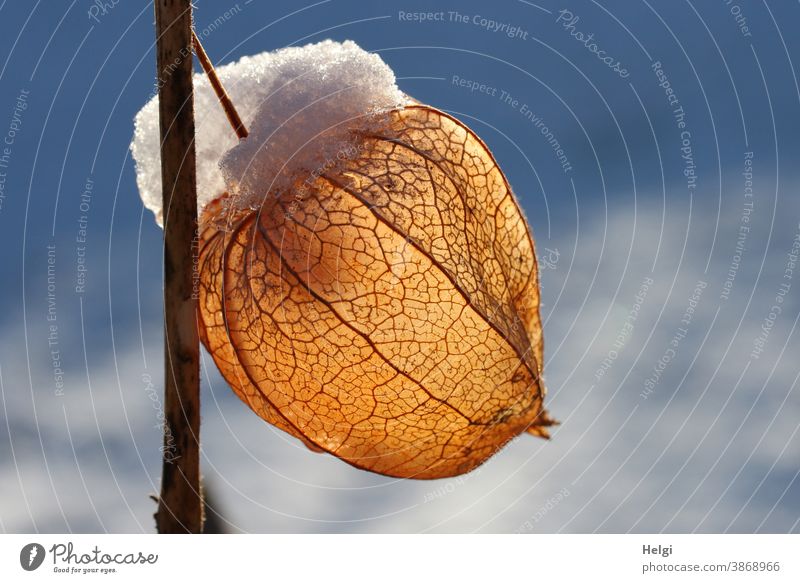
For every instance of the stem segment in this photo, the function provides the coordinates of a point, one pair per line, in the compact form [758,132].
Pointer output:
[180,503]
[222,95]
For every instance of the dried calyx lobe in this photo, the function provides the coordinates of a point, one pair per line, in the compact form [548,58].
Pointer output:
[370,284]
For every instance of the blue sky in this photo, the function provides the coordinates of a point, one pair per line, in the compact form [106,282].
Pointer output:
[710,445]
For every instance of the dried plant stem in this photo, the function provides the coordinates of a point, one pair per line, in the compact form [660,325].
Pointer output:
[180,502]
[222,95]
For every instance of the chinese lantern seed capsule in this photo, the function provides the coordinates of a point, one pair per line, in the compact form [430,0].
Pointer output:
[378,299]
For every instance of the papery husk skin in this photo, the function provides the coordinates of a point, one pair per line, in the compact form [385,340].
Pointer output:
[386,309]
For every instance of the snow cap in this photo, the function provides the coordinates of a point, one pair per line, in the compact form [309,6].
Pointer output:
[301,106]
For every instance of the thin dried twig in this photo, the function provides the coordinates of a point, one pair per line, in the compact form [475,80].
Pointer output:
[216,84]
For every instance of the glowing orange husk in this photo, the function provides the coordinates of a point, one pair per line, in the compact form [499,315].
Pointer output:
[386,311]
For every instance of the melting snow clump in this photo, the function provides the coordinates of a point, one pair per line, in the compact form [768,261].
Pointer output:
[300,105]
